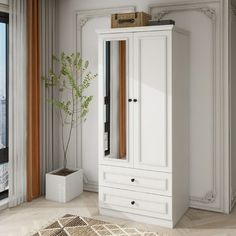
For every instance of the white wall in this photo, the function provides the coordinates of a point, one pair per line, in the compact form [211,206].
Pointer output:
[67,9]
[206,160]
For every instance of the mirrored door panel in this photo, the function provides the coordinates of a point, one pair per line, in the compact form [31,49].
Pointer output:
[115,99]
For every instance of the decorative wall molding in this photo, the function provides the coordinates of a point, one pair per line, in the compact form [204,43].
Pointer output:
[209,197]
[83,21]
[84,16]
[209,12]
[203,7]
[81,18]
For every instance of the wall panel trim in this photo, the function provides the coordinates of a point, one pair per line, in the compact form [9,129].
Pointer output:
[161,10]
[81,18]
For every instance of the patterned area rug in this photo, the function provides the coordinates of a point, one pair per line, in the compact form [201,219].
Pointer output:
[71,225]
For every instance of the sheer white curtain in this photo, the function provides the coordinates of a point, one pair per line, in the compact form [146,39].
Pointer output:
[17,102]
[49,130]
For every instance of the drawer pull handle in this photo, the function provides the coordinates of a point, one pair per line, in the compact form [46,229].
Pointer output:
[122,21]
[133,202]
[132,180]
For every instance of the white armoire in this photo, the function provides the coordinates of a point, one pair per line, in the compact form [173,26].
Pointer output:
[143,117]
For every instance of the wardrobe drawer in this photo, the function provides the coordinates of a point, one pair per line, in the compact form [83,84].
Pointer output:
[135,202]
[136,180]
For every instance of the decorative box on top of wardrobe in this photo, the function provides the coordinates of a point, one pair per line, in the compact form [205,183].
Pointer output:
[144,123]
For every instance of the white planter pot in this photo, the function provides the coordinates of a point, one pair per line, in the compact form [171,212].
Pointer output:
[64,188]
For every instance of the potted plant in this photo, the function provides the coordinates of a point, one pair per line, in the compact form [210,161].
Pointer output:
[72,106]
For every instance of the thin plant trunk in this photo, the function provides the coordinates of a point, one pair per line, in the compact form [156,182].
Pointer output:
[65,147]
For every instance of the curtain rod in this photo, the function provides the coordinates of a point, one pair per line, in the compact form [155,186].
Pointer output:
[4,8]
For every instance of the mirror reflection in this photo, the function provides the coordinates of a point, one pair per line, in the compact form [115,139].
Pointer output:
[115,99]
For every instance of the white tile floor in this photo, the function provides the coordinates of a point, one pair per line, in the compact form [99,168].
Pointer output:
[28,217]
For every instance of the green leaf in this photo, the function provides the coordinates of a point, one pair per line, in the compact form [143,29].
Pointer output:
[71,91]
[55,58]
[86,64]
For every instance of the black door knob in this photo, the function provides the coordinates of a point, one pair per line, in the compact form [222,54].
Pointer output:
[133,202]
[130,100]
[132,180]
[135,100]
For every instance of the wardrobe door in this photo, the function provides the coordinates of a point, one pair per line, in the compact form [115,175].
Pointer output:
[152,94]
[117,96]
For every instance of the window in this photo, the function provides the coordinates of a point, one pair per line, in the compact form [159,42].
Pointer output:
[4,24]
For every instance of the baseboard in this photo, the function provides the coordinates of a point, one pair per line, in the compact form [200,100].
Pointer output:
[138,218]
[4,204]
[205,208]
[233,200]
[91,187]
[233,204]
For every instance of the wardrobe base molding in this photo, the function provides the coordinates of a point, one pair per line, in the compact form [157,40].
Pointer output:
[134,217]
